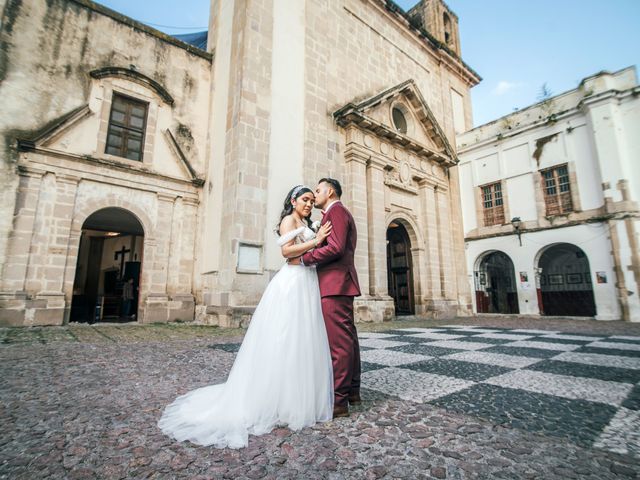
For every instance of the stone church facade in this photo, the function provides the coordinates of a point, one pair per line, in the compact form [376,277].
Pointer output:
[132,156]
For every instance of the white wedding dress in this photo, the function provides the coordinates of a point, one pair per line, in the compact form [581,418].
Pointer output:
[282,374]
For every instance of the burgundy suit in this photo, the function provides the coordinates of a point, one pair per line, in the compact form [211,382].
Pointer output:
[338,286]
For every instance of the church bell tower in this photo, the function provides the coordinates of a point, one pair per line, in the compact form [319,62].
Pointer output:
[439,20]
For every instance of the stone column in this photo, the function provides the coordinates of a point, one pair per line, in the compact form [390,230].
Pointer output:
[355,197]
[13,297]
[157,244]
[175,247]
[432,290]
[447,270]
[377,229]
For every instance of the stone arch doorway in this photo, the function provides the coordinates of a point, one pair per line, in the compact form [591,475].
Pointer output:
[400,269]
[107,275]
[495,284]
[565,286]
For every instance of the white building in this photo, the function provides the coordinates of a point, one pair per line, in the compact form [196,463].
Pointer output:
[564,174]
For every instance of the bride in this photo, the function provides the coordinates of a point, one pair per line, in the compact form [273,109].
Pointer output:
[282,374]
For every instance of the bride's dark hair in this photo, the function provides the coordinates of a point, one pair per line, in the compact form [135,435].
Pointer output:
[288,207]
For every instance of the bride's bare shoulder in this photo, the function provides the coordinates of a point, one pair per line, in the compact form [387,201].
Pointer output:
[287,224]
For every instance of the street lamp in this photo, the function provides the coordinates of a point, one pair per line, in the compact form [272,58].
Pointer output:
[516,222]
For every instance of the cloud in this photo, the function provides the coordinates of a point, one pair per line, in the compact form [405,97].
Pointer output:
[505,86]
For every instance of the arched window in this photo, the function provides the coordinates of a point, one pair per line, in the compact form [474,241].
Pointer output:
[447,28]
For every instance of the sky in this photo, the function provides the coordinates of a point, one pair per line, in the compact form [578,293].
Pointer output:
[516,46]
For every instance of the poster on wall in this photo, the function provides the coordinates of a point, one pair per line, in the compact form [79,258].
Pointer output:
[524,277]
[601,277]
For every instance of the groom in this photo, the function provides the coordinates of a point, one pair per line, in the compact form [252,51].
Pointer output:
[338,286]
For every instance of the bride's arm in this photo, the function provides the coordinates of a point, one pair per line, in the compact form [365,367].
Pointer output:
[292,249]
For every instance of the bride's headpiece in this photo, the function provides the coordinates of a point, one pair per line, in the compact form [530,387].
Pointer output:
[297,190]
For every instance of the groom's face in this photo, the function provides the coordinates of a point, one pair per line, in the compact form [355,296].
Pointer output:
[322,194]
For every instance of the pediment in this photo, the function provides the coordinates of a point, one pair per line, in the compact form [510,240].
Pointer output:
[422,134]
[75,135]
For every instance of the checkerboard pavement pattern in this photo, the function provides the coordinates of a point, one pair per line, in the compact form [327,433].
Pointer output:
[582,387]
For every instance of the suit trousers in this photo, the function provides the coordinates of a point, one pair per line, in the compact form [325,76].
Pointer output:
[344,346]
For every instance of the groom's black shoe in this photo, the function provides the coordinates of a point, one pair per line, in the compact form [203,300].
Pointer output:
[339,411]
[354,399]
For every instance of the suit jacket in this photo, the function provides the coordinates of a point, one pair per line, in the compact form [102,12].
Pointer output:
[334,257]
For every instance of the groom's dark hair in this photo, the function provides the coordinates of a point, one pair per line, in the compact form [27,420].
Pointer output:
[335,184]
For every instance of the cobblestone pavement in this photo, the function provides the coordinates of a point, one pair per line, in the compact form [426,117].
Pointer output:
[506,398]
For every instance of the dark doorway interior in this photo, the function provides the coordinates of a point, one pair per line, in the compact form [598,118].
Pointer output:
[565,282]
[107,277]
[399,269]
[496,285]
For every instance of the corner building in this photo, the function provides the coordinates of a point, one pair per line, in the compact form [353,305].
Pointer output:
[550,197]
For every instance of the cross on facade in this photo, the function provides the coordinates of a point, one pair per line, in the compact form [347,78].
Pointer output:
[121,253]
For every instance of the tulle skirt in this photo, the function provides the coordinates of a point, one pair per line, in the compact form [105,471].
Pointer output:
[282,374]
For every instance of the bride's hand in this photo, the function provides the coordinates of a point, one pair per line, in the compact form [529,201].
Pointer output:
[324,232]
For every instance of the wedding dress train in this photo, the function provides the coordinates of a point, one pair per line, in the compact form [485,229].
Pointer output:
[282,374]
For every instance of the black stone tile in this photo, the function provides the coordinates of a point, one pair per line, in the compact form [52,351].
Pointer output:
[564,341]
[425,349]
[632,402]
[609,351]
[619,340]
[367,367]
[227,347]
[453,368]
[522,351]
[400,332]
[363,348]
[611,374]
[467,333]
[408,339]
[580,334]
[476,339]
[578,420]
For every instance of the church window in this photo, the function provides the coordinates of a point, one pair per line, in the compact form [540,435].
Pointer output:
[447,28]
[557,190]
[399,120]
[127,124]
[492,204]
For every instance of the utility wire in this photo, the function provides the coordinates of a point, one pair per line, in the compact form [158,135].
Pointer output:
[172,26]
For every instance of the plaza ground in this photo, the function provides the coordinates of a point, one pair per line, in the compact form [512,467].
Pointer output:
[475,397]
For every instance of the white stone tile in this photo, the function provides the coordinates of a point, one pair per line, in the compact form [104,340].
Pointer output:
[479,330]
[563,347]
[540,332]
[576,388]
[626,337]
[459,326]
[436,336]
[497,359]
[616,345]
[503,336]
[411,385]
[598,359]
[421,330]
[563,336]
[380,343]
[375,335]
[460,345]
[622,435]
[391,358]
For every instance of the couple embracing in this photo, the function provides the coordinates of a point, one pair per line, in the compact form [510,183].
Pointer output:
[299,362]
